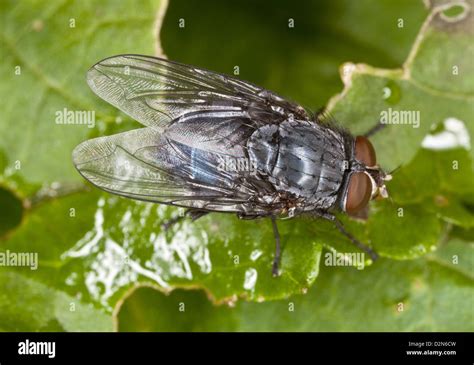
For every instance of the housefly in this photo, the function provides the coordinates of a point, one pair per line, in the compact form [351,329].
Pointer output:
[213,143]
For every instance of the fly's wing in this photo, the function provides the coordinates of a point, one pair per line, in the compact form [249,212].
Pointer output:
[196,121]
[146,164]
[155,92]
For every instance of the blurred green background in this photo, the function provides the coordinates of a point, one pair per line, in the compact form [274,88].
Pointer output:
[104,262]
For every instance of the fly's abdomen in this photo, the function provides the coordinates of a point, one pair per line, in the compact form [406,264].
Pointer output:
[302,158]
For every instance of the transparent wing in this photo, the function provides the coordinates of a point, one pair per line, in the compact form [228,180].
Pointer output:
[195,120]
[155,92]
[148,165]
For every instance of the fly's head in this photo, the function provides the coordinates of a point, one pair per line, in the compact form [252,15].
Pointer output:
[365,180]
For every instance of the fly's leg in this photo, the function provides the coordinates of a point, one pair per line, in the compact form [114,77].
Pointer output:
[376,128]
[276,259]
[373,255]
[171,222]
[194,214]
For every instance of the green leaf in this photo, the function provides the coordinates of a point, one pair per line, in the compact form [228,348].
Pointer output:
[299,62]
[180,311]
[427,86]
[13,206]
[46,50]
[439,181]
[94,248]
[111,244]
[428,294]
[27,305]
[431,173]
[395,230]
[440,61]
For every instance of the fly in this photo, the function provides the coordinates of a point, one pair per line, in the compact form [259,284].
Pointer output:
[213,143]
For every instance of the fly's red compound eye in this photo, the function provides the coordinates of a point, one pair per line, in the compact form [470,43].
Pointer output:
[364,151]
[359,192]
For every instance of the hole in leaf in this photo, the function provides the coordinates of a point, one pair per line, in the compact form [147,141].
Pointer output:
[391,93]
[11,212]
[451,133]
[455,13]
[147,309]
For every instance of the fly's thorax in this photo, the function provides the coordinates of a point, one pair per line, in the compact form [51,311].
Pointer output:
[363,180]
[301,158]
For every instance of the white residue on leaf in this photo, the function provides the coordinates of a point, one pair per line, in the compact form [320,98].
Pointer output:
[126,218]
[454,135]
[88,243]
[145,213]
[201,255]
[255,255]
[72,279]
[250,279]
[185,247]
[107,263]
[419,249]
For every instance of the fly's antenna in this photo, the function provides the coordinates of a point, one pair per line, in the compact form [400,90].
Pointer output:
[395,170]
[385,176]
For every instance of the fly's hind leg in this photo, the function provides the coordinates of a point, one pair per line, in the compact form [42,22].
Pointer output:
[194,214]
[276,258]
[373,255]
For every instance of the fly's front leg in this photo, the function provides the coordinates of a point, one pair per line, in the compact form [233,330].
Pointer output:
[194,214]
[373,255]
[377,128]
[276,258]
